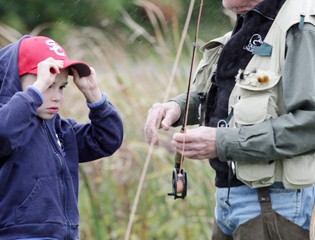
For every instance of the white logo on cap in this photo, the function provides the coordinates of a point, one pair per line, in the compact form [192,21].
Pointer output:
[53,46]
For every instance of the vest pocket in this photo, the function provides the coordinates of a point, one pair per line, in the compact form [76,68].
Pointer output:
[298,172]
[256,101]
[256,174]
[256,97]
[252,110]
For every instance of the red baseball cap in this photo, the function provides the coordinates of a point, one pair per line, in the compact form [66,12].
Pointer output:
[33,50]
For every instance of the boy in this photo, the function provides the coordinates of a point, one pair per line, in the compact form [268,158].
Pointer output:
[40,151]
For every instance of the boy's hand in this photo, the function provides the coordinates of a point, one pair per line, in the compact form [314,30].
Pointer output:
[88,85]
[46,73]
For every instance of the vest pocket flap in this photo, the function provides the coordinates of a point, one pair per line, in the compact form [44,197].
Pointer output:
[251,110]
[299,171]
[257,81]
[256,175]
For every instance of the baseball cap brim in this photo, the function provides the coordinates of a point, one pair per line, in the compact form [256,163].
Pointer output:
[82,68]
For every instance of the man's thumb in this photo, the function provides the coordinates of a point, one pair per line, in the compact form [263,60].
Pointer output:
[166,124]
[168,120]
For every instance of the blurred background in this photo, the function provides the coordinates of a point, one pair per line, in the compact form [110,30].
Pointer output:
[132,45]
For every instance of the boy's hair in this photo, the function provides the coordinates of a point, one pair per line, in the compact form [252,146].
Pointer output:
[33,50]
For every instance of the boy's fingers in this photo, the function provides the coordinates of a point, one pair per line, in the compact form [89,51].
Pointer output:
[92,71]
[75,73]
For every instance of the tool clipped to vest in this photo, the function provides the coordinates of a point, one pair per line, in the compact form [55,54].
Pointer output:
[231,163]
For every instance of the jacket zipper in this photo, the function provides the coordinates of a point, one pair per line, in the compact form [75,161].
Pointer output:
[62,173]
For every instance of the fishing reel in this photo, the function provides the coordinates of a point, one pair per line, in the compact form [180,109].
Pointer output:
[179,184]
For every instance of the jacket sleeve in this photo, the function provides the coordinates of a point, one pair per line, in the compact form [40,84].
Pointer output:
[102,136]
[18,120]
[290,134]
[193,108]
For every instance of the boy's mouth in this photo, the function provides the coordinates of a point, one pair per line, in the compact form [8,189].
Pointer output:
[52,110]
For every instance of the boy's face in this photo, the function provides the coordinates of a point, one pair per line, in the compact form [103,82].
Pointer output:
[53,96]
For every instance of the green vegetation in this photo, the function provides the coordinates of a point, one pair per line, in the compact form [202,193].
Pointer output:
[46,17]
[133,60]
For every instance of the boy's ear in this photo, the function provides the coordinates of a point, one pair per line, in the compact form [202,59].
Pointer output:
[27,80]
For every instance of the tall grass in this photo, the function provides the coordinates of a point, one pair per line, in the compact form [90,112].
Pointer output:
[133,81]
[133,69]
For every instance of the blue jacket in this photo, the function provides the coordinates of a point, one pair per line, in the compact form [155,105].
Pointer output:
[38,176]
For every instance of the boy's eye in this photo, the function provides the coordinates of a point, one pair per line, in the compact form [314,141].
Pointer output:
[52,85]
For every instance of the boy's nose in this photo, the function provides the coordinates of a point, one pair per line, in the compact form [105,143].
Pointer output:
[57,96]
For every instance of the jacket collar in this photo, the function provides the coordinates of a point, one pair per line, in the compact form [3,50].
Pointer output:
[268,8]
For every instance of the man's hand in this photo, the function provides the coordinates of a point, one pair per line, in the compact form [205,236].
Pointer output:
[161,115]
[198,143]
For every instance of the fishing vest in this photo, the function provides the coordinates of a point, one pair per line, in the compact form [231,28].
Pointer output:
[259,85]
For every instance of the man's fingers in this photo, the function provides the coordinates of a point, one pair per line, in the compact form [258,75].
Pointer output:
[151,127]
[171,116]
[198,143]
[151,135]
[166,124]
[160,115]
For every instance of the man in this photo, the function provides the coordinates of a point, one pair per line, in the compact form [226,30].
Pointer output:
[261,87]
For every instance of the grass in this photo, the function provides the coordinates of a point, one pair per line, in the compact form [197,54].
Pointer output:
[133,69]
[133,82]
